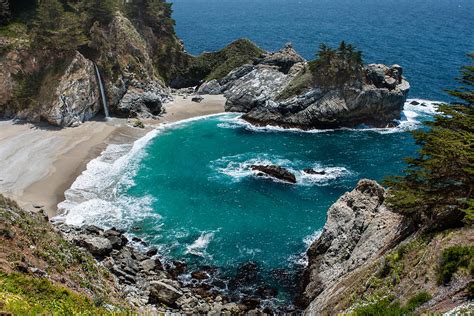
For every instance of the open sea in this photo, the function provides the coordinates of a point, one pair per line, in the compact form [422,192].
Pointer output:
[188,189]
[429,38]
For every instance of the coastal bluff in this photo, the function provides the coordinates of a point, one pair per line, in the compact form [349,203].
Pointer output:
[281,89]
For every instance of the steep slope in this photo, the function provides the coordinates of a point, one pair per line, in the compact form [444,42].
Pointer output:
[369,258]
[41,273]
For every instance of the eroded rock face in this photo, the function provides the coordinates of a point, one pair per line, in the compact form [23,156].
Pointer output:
[377,102]
[134,89]
[77,96]
[258,85]
[255,89]
[359,229]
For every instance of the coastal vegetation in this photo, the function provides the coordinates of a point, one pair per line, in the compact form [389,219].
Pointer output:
[437,187]
[331,67]
[42,273]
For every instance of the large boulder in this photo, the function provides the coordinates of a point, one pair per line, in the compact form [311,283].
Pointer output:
[97,246]
[275,172]
[165,293]
[76,98]
[211,87]
[358,230]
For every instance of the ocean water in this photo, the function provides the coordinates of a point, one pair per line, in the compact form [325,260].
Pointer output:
[188,188]
[429,38]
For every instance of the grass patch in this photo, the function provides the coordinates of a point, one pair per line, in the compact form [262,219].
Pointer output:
[298,85]
[390,307]
[26,295]
[454,259]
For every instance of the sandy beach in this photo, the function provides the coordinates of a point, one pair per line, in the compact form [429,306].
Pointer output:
[39,162]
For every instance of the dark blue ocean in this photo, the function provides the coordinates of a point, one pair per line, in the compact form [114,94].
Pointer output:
[429,38]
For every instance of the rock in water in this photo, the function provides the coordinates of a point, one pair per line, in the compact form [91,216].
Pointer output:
[358,230]
[276,172]
[260,90]
[312,171]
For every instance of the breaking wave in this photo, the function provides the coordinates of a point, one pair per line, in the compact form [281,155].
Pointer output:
[238,167]
[415,112]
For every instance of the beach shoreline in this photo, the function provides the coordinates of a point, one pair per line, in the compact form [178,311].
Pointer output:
[39,162]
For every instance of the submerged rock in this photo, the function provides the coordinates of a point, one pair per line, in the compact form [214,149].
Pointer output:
[312,171]
[276,172]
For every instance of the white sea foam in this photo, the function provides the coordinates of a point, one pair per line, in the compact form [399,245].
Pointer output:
[302,259]
[412,117]
[94,197]
[238,167]
[199,246]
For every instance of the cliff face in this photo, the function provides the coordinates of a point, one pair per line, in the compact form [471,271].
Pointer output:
[367,255]
[280,89]
[359,229]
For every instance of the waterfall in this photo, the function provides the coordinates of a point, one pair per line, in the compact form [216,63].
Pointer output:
[102,92]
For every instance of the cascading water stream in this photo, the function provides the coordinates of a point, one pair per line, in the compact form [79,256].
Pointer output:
[102,92]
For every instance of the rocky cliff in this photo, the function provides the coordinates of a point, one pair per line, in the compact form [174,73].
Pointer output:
[368,255]
[280,89]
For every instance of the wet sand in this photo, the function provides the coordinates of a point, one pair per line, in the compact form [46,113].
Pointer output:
[39,162]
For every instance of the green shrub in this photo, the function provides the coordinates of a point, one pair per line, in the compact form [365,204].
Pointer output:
[390,307]
[25,295]
[454,259]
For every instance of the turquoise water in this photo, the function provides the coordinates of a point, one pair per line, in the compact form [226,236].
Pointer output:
[214,211]
[189,190]
[429,38]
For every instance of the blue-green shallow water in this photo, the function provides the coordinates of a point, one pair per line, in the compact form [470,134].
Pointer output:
[201,188]
[190,191]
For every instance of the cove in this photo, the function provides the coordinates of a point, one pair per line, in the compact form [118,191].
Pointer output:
[189,191]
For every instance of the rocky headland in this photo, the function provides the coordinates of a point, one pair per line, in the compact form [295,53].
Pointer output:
[281,89]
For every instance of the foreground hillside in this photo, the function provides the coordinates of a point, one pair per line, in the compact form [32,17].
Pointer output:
[41,273]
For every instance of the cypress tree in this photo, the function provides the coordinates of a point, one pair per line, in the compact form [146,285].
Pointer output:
[437,188]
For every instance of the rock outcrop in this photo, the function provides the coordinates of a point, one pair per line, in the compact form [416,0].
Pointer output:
[256,85]
[134,88]
[77,95]
[359,229]
[275,172]
[377,101]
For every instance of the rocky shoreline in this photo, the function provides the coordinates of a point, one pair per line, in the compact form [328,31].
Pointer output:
[155,284]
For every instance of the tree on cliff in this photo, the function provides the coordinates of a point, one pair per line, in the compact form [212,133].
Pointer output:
[336,66]
[437,188]
[55,29]
[100,10]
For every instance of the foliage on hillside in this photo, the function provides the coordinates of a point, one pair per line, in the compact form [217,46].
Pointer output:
[437,188]
[331,67]
[334,67]
[405,281]
[216,65]
[41,273]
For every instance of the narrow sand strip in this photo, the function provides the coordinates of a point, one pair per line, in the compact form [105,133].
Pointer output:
[39,162]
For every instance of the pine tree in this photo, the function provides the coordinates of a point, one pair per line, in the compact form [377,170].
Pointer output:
[57,30]
[437,188]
